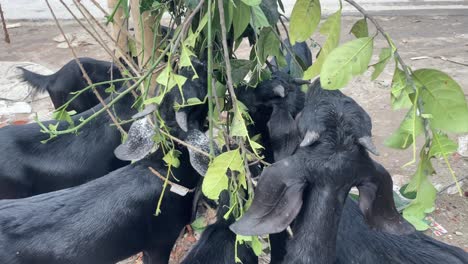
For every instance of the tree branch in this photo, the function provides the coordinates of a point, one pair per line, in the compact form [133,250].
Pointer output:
[85,75]
[5,30]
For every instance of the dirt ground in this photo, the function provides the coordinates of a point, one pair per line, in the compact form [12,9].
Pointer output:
[430,36]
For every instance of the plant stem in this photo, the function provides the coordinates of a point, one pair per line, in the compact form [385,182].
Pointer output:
[5,30]
[85,74]
[226,56]
[210,76]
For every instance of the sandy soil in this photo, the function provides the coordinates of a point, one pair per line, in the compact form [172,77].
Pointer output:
[430,36]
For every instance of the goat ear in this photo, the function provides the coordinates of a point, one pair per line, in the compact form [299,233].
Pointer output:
[181,119]
[283,132]
[148,110]
[199,140]
[377,205]
[277,201]
[139,141]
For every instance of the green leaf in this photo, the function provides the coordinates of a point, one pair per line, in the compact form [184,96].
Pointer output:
[170,79]
[256,245]
[240,68]
[400,91]
[259,19]
[63,115]
[268,44]
[270,9]
[199,224]
[346,61]
[441,145]
[191,3]
[444,99]
[154,100]
[332,28]
[305,18]
[215,180]
[425,197]
[241,18]
[408,195]
[238,127]
[172,158]
[384,57]
[403,137]
[110,89]
[360,28]
[252,2]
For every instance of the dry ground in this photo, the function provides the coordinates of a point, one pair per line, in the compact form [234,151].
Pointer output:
[430,36]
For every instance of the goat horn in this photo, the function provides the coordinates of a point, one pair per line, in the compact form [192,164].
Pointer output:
[181,119]
[148,110]
[309,138]
[299,81]
[367,143]
[279,90]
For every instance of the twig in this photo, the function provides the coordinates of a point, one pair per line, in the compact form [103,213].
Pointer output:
[84,10]
[210,77]
[5,30]
[406,69]
[452,61]
[184,143]
[186,25]
[85,75]
[452,184]
[226,56]
[121,29]
[155,172]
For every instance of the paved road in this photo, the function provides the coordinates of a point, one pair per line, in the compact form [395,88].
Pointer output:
[37,9]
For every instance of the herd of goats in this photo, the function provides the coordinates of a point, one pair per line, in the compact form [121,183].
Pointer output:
[72,200]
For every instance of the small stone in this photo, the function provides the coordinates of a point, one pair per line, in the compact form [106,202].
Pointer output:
[15,108]
[463,146]
[60,38]
[454,189]
[458,233]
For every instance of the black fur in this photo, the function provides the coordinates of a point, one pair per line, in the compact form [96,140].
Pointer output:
[103,221]
[261,102]
[302,55]
[29,167]
[356,241]
[70,79]
[359,244]
[217,243]
[321,174]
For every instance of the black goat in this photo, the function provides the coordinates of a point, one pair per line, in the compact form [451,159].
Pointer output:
[302,56]
[280,92]
[70,79]
[217,243]
[102,221]
[32,168]
[29,167]
[357,243]
[321,171]
[320,101]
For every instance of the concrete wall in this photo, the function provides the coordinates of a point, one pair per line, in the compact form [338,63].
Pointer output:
[394,6]
[37,9]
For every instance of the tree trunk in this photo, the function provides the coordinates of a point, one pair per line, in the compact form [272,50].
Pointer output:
[118,23]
